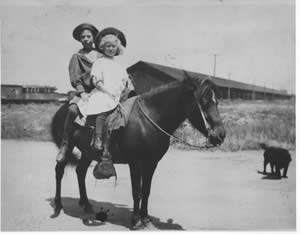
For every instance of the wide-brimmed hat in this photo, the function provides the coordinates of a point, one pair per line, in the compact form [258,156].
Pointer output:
[78,30]
[119,34]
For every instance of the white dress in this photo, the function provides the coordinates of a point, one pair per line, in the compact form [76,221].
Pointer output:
[114,77]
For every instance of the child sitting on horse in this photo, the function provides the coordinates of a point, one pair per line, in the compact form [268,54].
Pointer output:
[79,71]
[109,78]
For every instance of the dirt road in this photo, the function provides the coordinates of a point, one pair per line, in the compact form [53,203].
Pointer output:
[190,191]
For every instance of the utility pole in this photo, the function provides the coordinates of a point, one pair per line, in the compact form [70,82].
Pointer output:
[253,92]
[272,92]
[264,91]
[229,78]
[215,64]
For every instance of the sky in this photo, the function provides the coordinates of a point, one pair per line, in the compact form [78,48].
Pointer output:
[253,40]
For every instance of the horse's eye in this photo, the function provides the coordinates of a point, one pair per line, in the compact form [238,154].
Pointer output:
[204,103]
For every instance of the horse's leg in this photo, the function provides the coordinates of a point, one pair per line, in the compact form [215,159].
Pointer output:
[277,171]
[81,173]
[285,169]
[272,168]
[265,166]
[148,168]
[59,173]
[135,175]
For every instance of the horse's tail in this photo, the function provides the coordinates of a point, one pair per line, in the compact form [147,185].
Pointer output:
[57,129]
[57,124]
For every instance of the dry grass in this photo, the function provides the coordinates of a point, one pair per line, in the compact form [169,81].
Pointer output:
[30,121]
[246,124]
[250,123]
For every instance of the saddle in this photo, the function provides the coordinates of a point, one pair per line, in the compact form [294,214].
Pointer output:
[115,122]
[117,119]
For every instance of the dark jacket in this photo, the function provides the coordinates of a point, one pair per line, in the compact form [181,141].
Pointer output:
[79,71]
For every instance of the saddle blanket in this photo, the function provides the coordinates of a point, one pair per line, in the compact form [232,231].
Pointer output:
[117,119]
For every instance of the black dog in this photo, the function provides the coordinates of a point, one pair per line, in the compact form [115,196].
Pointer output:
[278,158]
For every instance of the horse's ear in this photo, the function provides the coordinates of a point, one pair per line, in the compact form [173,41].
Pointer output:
[186,74]
[210,84]
[189,85]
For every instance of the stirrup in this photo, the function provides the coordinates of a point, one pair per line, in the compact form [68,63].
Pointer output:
[104,169]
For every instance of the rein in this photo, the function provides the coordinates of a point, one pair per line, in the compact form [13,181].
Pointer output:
[206,146]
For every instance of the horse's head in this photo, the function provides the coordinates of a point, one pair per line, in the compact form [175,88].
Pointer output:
[203,112]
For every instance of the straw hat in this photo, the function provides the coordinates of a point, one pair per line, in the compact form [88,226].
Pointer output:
[78,30]
[119,34]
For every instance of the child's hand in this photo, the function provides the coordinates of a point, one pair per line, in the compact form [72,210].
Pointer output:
[84,96]
[114,97]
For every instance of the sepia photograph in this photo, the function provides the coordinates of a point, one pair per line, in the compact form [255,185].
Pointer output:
[165,115]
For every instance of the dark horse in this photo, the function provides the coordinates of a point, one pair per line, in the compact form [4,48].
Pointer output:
[143,142]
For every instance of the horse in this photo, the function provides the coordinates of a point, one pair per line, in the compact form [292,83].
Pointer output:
[154,116]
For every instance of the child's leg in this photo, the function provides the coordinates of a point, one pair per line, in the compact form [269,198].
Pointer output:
[100,121]
[106,143]
[68,131]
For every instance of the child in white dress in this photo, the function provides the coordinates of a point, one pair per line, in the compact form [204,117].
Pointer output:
[109,78]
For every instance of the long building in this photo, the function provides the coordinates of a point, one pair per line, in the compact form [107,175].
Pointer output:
[30,93]
[145,76]
[150,75]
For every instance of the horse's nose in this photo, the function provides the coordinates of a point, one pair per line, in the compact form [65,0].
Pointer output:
[220,134]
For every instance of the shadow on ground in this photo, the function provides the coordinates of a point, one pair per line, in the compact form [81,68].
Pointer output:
[118,214]
[268,176]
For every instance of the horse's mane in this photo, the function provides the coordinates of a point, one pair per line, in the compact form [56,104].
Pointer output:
[160,89]
[189,83]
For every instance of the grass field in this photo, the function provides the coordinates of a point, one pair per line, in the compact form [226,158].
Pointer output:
[246,123]
[27,121]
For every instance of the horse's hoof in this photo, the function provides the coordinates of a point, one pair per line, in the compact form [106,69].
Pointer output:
[136,222]
[56,213]
[138,225]
[146,220]
[148,223]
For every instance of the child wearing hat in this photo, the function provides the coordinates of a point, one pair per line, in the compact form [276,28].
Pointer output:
[80,76]
[109,78]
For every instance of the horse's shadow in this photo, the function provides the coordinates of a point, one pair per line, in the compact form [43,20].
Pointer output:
[268,176]
[118,214]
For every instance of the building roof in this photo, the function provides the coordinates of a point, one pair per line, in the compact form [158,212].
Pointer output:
[178,74]
[11,85]
[38,86]
[52,88]
[28,86]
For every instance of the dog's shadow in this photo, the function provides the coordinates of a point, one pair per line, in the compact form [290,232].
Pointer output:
[269,176]
[118,214]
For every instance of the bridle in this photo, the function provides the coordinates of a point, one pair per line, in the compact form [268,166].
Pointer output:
[207,125]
